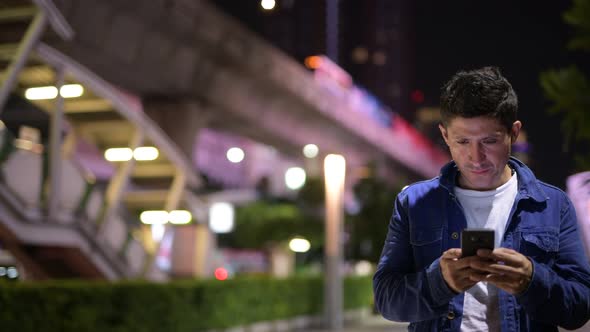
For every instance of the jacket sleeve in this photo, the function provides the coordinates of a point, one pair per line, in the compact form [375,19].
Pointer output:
[560,294]
[401,292]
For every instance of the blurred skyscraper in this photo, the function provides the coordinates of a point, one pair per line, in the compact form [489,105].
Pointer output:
[377,50]
[373,39]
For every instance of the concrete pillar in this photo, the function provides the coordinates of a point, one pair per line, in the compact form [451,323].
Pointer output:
[55,153]
[191,251]
[282,262]
[180,121]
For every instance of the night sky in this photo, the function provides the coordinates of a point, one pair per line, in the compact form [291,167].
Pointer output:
[523,38]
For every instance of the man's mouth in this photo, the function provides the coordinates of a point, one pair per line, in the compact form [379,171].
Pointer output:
[479,170]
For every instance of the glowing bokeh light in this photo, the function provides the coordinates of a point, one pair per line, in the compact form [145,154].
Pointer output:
[145,153]
[118,154]
[311,151]
[12,272]
[295,178]
[221,217]
[41,93]
[221,273]
[180,217]
[313,62]
[267,4]
[235,155]
[152,217]
[50,92]
[71,90]
[299,245]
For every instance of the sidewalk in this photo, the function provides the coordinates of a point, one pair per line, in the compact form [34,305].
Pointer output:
[372,323]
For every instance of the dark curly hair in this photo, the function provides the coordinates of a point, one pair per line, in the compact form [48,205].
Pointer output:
[480,92]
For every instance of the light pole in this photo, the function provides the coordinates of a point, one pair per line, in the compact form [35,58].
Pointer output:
[334,173]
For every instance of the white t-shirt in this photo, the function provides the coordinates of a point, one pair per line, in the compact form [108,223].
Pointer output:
[485,209]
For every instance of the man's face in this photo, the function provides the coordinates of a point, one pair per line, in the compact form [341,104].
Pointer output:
[480,147]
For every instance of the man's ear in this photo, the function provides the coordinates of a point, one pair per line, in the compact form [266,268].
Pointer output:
[515,130]
[443,132]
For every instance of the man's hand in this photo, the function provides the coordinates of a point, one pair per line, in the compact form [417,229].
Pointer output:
[505,268]
[457,271]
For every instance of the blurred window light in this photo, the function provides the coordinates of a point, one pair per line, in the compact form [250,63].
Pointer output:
[221,217]
[379,58]
[158,231]
[299,245]
[145,153]
[311,151]
[235,155]
[12,272]
[221,273]
[153,217]
[24,144]
[2,271]
[180,217]
[295,178]
[50,92]
[40,93]
[71,90]
[360,54]
[118,154]
[267,4]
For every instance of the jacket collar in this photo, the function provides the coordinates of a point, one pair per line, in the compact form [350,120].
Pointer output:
[528,186]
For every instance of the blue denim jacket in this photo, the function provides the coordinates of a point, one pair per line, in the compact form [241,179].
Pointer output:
[427,220]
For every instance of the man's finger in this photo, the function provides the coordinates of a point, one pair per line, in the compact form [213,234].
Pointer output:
[504,269]
[505,255]
[452,253]
[477,276]
[512,285]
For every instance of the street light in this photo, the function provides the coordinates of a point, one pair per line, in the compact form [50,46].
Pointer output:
[334,173]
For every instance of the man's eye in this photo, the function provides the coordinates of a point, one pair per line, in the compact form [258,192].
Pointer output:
[490,141]
[462,142]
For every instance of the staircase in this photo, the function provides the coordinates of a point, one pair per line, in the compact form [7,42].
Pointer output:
[80,242]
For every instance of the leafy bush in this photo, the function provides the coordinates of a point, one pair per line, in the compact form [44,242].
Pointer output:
[176,306]
[262,223]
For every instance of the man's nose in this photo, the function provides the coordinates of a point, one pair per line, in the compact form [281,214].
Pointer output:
[476,152]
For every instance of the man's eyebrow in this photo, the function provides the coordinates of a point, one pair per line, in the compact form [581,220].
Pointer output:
[494,134]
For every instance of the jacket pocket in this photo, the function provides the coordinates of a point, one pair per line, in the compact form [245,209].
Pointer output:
[426,245]
[422,237]
[541,245]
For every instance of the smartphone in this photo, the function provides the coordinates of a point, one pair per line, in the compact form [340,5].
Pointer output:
[476,238]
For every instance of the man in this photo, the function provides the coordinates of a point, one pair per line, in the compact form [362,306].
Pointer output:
[536,278]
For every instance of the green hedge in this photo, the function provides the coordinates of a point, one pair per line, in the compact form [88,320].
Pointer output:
[175,306]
